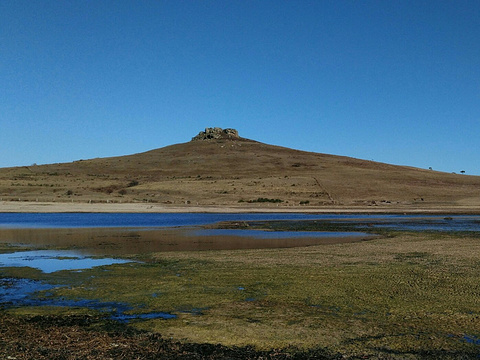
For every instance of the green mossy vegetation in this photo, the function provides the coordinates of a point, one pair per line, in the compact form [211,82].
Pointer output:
[402,295]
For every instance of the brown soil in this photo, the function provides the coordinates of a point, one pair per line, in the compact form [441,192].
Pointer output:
[86,337]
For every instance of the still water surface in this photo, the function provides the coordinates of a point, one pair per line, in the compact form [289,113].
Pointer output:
[16,292]
[121,234]
[49,261]
[102,220]
[90,220]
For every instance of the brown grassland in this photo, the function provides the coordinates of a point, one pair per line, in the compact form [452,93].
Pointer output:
[236,173]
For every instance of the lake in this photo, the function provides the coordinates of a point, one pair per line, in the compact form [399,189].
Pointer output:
[76,242]
[101,234]
[149,220]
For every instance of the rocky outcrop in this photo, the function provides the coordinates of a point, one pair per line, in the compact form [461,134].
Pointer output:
[216,133]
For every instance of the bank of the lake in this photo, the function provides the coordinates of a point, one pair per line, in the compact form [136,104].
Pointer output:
[103,207]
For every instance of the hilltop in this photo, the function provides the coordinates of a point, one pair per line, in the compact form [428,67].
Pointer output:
[220,168]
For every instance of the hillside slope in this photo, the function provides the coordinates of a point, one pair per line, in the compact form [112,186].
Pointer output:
[227,171]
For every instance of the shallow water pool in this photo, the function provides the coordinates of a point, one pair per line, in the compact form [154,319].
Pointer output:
[50,261]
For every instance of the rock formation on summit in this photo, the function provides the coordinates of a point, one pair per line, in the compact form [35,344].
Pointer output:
[216,133]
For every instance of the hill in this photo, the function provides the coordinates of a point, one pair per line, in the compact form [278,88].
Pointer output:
[218,167]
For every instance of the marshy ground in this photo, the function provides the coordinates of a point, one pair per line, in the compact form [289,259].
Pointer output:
[405,295]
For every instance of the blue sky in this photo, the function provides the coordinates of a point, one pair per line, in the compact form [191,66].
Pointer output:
[390,81]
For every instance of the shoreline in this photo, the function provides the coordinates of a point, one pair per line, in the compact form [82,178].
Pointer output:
[63,207]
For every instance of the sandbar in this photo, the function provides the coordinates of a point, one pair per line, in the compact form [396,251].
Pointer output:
[67,207]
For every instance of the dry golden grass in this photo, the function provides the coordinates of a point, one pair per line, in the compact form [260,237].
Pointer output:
[225,172]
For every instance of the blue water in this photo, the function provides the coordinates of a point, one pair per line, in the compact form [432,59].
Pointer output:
[92,220]
[16,291]
[26,292]
[89,220]
[440,223]
[472,339]
[50,261]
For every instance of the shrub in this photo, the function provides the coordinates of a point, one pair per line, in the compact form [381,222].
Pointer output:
[263,200]
[132,183]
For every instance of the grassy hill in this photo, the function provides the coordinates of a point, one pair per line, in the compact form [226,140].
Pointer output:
[241,172]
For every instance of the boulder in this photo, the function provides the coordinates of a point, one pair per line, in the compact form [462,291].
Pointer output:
[216,133]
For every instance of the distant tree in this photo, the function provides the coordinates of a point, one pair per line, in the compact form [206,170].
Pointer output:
[430,168]
[462,172]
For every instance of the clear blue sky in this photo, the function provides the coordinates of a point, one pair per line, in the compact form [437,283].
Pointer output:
[394,81]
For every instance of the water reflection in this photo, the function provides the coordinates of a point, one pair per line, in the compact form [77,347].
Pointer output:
[15,291]
[150,220]
[26,292]
[123,241]
[50,261]
[437,223]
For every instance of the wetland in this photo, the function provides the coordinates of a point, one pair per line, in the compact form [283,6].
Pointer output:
[242,285]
